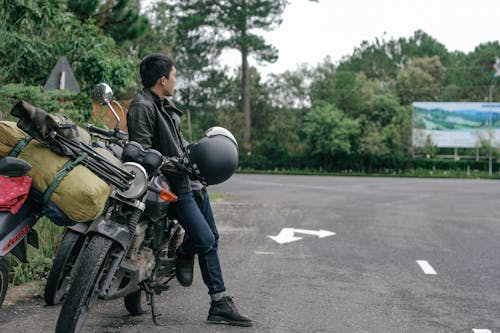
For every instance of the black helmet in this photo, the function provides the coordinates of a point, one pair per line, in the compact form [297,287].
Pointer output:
[215,157]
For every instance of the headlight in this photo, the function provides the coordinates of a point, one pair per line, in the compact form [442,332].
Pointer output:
[139,183]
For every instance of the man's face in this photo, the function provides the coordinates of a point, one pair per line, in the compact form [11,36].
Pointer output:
[169,83]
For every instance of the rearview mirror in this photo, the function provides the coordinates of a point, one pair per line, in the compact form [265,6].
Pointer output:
[102,93]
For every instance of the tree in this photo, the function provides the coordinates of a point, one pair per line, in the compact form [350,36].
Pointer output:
[231,24]
[42,31]
[346,93]
[383,59]
[429,149]
[194,50]
[207,100]
[290,100]
[291,89]
[423,79]
[384,125]
[422,45]
[27,29]
[237,19]
[413,84]
[331,135]
[372,144]
[160,34]
[432,66]
[263,115]
[398,137]
[323,82]
[476,76]
[377,60]
[120,19]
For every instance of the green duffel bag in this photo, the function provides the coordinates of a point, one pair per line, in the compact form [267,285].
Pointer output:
[81,194]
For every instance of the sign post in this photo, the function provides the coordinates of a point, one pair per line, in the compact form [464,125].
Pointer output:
[490,99]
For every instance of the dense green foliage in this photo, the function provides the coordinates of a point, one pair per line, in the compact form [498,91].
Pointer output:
[353,114]
[34,34]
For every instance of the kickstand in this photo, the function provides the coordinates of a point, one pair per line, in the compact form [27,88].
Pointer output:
[150,296]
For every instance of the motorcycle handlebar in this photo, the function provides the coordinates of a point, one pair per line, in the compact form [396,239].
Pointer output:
[99,130]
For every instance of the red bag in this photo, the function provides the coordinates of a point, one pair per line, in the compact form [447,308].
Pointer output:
[13,192]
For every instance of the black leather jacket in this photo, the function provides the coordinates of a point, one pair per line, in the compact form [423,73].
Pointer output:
[156,125]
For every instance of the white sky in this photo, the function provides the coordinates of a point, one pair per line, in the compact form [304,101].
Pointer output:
[310,31]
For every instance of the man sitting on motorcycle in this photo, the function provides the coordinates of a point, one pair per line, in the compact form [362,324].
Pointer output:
[154,122]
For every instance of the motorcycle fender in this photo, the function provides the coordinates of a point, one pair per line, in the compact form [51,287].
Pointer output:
[10,224]
[14,232]
[110,229]
[33,239]
[81,227]
[20,251]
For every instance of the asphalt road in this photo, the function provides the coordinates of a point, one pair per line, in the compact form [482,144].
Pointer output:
[408,255]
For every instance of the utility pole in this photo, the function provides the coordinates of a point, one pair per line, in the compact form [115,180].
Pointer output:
[490,99]
[490,164]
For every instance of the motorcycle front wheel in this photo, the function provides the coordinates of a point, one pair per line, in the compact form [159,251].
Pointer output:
[59,278]
[83,291]
[4,279]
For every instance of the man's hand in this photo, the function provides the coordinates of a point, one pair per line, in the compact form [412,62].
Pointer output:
[181,166]
[177,166]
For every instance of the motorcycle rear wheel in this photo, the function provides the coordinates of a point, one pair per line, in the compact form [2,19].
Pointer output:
[4,279]
[83,291]
[134,302]
[59,278]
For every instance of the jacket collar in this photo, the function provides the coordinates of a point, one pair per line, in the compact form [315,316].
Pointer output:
[167,104]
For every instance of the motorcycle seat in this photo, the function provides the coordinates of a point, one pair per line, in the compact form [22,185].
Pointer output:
[13,167]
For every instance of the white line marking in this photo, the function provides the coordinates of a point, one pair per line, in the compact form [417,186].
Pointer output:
[426,267]
[476,330]
[262,252]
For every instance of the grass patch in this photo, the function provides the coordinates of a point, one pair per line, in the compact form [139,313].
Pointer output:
[417,173]
[214,197]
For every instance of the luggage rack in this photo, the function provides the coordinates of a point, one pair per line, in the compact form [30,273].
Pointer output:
[97,163]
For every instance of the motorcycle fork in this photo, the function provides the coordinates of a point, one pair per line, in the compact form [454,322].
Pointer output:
[115,256]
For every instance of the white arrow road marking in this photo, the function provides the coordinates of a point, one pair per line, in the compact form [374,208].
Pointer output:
[476,330]
[286,235]
[426,267]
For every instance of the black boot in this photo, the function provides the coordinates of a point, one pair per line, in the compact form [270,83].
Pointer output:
[225,312]
[184,269]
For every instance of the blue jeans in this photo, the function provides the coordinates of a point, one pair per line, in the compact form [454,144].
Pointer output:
[196,217]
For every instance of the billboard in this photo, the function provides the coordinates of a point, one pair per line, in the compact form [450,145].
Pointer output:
[460,125]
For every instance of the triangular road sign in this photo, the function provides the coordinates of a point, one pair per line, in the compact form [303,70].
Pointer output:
[62,77]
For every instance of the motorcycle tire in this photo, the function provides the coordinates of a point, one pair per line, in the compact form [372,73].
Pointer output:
[59,278]
[134,302]
[82,293]
[4,279]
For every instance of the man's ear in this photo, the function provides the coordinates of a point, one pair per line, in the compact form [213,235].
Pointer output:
[160,81]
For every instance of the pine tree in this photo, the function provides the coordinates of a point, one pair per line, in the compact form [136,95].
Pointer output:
[207,27]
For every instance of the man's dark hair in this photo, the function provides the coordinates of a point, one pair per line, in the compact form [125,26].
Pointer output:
[153,67]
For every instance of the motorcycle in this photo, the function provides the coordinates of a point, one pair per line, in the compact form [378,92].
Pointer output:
[131,248]
[59,277]
[16,230]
